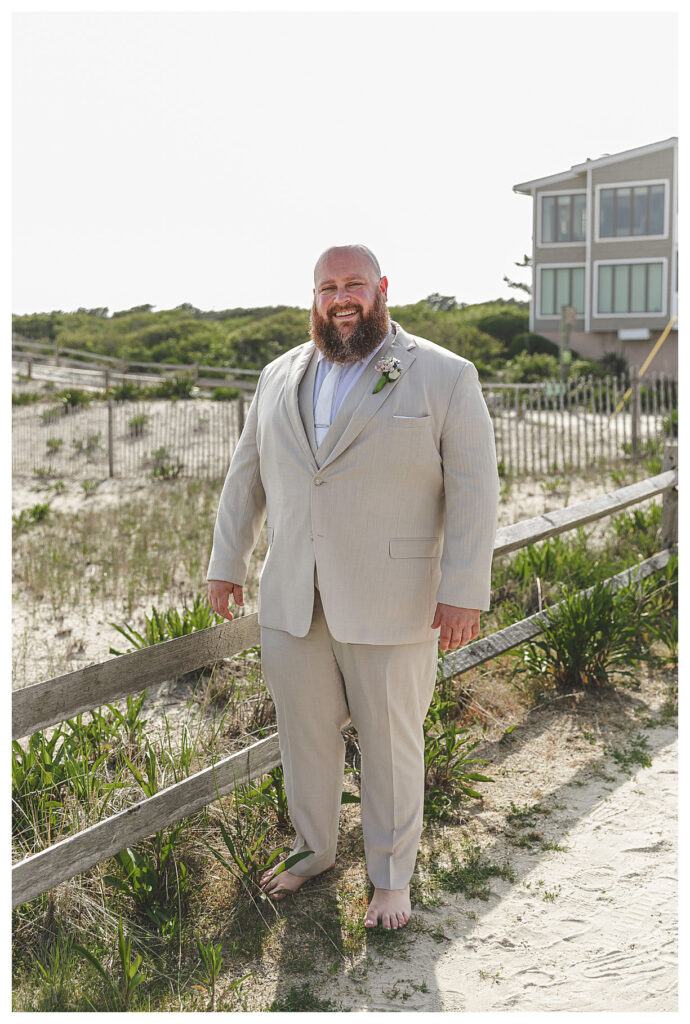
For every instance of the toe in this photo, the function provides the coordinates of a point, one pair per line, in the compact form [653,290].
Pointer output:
[386,921]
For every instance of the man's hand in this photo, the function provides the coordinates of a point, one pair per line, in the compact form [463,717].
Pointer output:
[219,595]
[458,625]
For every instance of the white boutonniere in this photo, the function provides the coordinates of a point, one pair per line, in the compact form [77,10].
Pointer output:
[389,368]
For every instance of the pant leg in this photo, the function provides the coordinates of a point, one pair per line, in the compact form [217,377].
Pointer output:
[305,682]
[389,689]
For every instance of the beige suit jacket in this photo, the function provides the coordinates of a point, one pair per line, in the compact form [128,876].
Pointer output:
[397,508]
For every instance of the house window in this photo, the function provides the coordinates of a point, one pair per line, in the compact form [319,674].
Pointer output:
[631,210]
[630,288]
[562,218]
[561,286]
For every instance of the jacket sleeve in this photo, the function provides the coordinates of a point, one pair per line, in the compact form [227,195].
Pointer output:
[242,507]
[470,478]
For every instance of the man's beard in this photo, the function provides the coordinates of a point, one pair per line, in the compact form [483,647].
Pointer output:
[368,333]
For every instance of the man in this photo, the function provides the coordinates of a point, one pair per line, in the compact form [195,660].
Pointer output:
[371,454]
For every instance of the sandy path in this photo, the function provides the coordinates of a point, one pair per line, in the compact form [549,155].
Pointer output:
[608,939]
[591,928]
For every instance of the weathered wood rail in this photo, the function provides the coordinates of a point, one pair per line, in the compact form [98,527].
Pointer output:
[55,700]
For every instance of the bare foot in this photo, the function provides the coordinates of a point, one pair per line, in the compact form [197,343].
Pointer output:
[392,906]
[277,887]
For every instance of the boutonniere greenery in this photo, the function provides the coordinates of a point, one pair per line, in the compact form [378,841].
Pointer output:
[389,368]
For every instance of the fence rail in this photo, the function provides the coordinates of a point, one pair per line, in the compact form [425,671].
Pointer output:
[539,429]
[57,699]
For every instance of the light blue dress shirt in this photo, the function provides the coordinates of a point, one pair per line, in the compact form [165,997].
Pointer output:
[349,376]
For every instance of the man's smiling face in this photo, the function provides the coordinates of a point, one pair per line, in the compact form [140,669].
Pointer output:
[346,286]
[349,313]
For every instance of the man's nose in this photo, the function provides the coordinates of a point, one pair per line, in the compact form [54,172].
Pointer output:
[342,294]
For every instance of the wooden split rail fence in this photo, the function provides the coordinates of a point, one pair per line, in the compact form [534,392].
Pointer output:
[55,700]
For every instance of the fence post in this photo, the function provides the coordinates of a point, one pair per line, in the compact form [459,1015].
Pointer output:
[669,513]
[110,437]
[106,378]
[29,366]
[635,410]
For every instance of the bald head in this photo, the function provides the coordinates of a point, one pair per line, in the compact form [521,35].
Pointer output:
[344,250]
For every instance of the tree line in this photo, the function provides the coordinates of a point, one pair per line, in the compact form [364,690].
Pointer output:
[494,335]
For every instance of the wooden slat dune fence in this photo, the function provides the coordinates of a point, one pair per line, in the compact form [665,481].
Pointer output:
[55,700]
[546,427]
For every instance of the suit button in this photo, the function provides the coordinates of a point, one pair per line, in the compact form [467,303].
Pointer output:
[318,481]
[311,536]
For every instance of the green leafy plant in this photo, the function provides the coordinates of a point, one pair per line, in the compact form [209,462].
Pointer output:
[168,625]
[225,394]
[89,487]
[74,398]
[163,468]
[122,994]
[53,445]
[179,386]
[26,397]
[212,961]
[584,639]
[244,841]
[136,426]
[55,971]
[270,792]
[86,447]
[448,771]
[30,516]
[127,391]
[53,413]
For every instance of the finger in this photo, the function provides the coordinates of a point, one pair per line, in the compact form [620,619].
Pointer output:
[237,595]
[446,637]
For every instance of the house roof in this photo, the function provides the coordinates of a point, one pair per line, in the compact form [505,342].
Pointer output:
[609,158]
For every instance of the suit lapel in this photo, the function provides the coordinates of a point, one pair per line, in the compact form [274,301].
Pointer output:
[297,368]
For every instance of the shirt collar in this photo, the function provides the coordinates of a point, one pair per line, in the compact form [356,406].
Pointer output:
[363,362]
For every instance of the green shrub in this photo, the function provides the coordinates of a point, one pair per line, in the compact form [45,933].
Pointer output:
[225,394]
[53,445]
[527,369]
[532,343]
[74,398]
[182,386]
[505,324]
[614,363]
[126,391]
[585,368]
[53,413]
[137,424]
[163,466]
[585,638]
[167,625]
[449,771]
[26,397]
[88,446]
[29,516]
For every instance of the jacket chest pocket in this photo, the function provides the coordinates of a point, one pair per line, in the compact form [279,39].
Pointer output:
[409,422]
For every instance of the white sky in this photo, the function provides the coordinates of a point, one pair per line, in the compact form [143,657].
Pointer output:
[209,158]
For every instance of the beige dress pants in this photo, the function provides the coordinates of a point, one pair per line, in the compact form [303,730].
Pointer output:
[318,685]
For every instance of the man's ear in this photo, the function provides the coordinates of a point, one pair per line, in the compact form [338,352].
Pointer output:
[383,285]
